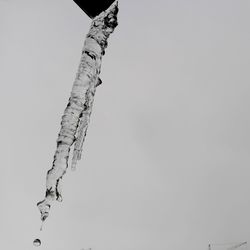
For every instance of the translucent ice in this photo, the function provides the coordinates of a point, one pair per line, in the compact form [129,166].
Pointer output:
[75,119]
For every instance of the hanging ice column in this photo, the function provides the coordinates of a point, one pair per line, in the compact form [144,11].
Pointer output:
[76,116]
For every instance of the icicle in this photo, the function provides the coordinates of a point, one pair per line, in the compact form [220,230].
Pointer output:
[77,113]
[83,124]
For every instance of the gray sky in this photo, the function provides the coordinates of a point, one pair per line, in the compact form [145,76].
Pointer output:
[166,158]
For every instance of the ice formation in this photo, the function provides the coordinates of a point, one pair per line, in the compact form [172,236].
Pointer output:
[76,116]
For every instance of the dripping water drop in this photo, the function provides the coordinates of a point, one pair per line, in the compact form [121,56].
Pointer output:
[41,227]
[37,243]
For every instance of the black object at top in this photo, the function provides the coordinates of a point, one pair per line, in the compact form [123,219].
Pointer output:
[93,7]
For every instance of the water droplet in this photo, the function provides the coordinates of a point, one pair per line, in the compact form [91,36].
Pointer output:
[41,228]
[37,243]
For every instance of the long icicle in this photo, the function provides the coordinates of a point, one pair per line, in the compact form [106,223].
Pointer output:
[76,116]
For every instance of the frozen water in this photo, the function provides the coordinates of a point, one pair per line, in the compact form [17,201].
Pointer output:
[76,116]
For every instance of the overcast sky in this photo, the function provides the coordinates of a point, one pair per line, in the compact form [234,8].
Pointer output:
[166,158]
